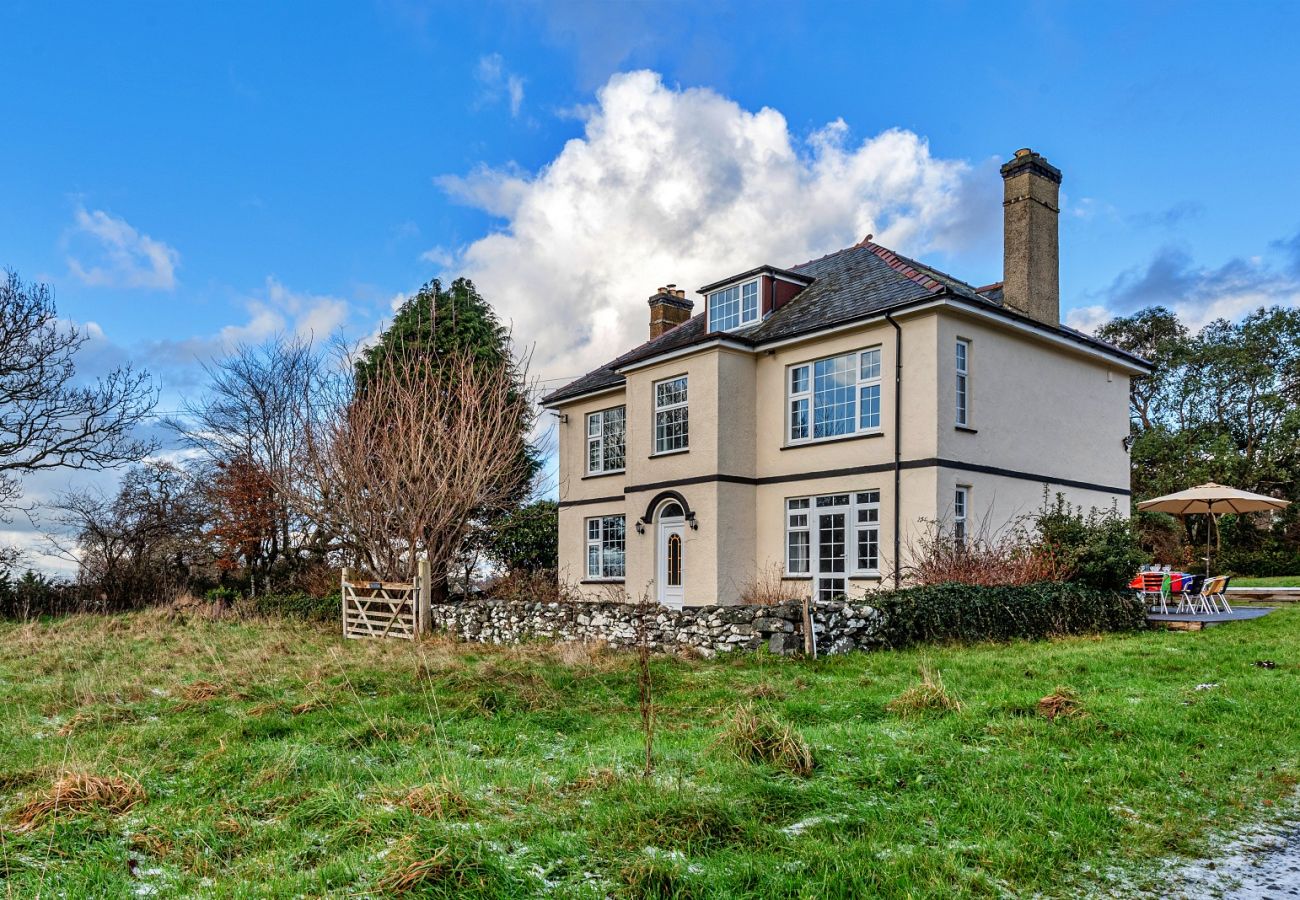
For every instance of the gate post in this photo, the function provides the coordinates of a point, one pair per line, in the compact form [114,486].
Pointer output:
[343,597]
[426,592]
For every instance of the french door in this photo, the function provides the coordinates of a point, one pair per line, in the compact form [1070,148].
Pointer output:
[831,565]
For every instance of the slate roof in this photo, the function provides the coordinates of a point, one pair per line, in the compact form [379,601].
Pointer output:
[859,282]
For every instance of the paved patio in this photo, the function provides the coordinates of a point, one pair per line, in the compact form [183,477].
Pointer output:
[1197,621]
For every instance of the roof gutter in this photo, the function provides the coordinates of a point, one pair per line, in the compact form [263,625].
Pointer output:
[898,443]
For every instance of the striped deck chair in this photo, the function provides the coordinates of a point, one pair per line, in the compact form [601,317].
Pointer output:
[1154,590]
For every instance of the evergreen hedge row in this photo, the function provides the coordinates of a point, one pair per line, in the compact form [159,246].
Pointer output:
[962,612]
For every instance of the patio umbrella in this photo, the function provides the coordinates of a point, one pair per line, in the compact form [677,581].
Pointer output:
[1213,500]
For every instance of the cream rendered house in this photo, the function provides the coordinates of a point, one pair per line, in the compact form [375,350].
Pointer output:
[813,418]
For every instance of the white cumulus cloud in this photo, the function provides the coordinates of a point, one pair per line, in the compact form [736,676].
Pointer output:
[109,252]
[686,186]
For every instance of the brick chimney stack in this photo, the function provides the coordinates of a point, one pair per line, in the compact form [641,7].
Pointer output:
[668,309]
[1031,263]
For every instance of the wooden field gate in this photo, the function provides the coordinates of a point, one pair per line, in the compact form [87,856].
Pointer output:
[386,609]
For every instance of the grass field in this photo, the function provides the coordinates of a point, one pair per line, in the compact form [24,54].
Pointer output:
[275,760]
[1276,581]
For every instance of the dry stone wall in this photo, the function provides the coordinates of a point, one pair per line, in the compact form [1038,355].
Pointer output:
[839,627]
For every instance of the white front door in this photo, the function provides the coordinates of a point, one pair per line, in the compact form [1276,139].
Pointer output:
[672,562]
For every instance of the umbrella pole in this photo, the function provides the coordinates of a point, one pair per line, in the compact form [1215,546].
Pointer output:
[1209,526]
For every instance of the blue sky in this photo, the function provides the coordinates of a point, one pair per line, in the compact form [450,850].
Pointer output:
[188,175]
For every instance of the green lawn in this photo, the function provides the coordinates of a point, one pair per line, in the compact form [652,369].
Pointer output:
[276,760]
[1277,581]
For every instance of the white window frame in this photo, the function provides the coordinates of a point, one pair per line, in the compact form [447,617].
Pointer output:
[868,365]
[866,520]
[596,437]
[961,384]
[796,509]
[598,539]
[960,512]
[663,409]
[745,314]
[862,516]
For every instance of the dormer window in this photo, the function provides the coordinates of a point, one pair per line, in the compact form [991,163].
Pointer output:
[733,307]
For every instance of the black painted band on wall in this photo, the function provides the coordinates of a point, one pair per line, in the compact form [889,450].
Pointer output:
[933,462]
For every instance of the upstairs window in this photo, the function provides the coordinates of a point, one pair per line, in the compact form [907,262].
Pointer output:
[733,307]
[834,397]
[672,423]
[606,435]
[963,382]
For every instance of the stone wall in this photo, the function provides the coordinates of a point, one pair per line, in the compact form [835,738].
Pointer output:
[839,627]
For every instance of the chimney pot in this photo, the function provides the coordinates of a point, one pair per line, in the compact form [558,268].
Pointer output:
[1030,232]
[668,309]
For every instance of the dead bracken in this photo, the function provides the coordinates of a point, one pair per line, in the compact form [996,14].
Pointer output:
[1062,702]
[78,792]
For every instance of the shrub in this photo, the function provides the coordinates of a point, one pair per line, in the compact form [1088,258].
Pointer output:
[527,539]
[961,612]
[1267,563]
[297,605]
[1099,548]
[537,586]
[32,595]
[223,595]
[1008,557]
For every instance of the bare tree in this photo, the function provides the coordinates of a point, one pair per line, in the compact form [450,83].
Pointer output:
[139,545]
[250,422]
[403,465]
[49,420]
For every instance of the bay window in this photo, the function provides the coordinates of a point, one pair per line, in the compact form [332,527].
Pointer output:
[606,434]
[834,397]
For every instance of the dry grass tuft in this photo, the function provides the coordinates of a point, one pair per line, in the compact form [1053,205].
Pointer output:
[152,843]
[769,587]
[759,737]
[1062,702]
[931,696]
[205,691]
[201,690]
[588,654]
[439,801]
[84,720]
[594,780]
[78,792]
[308,706]
[764,691]
[428,871]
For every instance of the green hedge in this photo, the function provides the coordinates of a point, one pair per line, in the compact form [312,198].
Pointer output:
[296,605]
[962,612]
